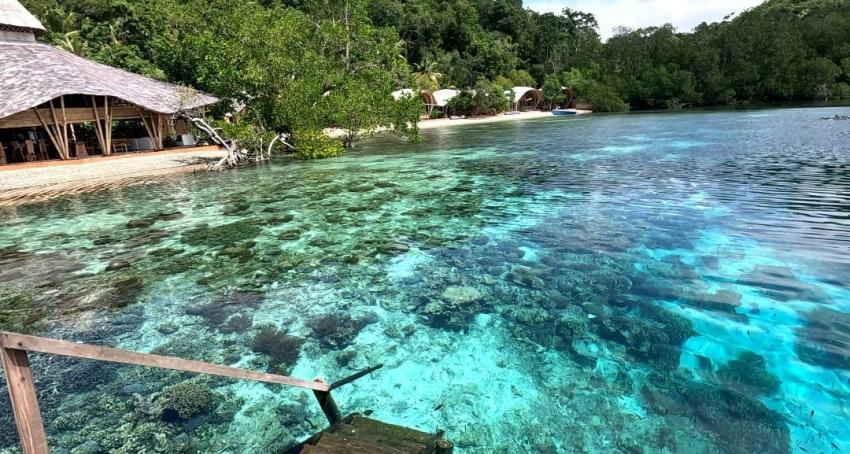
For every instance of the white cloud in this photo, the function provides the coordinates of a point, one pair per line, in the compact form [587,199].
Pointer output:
[684,14]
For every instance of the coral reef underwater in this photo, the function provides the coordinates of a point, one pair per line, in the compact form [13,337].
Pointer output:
[619,285]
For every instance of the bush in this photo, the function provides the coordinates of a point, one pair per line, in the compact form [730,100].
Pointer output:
[316,145]
[461,104]
[489,98]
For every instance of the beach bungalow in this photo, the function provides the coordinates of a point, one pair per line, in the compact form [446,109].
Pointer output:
[442,97]
[57,105]
[525,98]
[427,98]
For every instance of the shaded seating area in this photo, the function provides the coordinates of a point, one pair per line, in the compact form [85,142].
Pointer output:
[57,105]
[525,98]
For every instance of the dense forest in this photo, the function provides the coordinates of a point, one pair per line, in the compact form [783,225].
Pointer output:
[302,65]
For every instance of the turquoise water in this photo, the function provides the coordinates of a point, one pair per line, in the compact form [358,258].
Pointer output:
[638,283]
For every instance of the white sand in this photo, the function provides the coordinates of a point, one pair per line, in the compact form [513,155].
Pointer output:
[445,122]
[20,183]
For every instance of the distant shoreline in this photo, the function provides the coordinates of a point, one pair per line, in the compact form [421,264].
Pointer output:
[34,182]
[447,122]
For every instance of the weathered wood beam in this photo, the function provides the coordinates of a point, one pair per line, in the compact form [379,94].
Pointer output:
[63,144]
[97,125]
[49,132]
[24,400]
[64,348]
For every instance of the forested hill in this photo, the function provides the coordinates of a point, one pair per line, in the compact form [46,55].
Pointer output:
[783,50]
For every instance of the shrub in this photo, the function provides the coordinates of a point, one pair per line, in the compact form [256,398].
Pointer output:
[312,144]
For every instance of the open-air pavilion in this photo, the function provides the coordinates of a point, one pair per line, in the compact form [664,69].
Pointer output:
[525,98]
[57,105]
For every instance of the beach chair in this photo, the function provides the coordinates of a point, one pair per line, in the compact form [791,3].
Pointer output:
[120,145]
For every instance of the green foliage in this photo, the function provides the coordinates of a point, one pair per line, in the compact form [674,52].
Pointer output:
[312,144]
[520,78]
[462,104]
[489,98]
[553,94]
[602,97]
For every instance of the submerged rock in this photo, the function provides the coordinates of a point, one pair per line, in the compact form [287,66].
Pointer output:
[282,349]
[782,284]
[337,330]
[748,374]
[461,295]
[824,340]
[742,424]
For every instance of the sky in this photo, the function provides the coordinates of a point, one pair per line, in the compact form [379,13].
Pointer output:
[684,14]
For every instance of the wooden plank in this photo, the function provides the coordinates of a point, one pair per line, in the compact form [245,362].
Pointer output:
[24,401]
[58,347]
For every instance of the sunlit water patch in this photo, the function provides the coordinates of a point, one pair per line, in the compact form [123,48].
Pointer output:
[632,283]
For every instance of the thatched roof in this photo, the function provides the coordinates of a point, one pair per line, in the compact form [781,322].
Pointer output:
[528,93]
[34,73]
[13,15]
[442,97]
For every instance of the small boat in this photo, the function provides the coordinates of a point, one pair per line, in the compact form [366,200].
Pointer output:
[560,112]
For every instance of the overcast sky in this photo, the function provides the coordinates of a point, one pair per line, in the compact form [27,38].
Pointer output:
[684,14]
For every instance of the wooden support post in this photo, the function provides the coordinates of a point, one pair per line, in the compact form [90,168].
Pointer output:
[148,127]
[107,109]
[24,401]
[329,408]
[98,127]
[60,138]
[50,134]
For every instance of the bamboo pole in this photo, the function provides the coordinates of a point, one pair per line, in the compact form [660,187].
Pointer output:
[149,128]
[49,132]
[98,126]
[63,145]
[65,125]
[107,114]
[24,400]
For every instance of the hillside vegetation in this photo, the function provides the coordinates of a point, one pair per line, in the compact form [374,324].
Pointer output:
[301,65]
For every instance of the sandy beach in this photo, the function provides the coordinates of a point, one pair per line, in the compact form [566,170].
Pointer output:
[27,182]
[446,122]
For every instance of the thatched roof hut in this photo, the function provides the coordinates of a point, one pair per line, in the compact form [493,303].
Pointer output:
[427,97]
[442,97]
[49,89]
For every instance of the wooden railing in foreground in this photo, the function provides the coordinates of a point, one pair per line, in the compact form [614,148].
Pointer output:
[13,352]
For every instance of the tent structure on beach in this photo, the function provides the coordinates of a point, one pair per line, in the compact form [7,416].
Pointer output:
[46,93]
[427,97]
[525,98]
[442,97]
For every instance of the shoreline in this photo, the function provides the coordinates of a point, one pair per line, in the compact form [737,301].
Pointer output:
[39,181]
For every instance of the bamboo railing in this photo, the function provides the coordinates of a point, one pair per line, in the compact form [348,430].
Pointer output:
[13,352]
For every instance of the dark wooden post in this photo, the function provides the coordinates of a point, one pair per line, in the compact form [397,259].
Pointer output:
[24,400]
[326,401]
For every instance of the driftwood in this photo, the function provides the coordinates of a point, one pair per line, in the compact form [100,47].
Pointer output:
[237,155]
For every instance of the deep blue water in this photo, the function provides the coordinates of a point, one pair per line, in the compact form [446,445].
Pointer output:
[628,283]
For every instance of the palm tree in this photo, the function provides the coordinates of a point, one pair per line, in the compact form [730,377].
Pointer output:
[426,75]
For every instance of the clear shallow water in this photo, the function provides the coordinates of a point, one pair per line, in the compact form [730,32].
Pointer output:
[627,283]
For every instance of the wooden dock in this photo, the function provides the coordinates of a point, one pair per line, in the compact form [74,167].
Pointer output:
[354,434]
[358,434]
